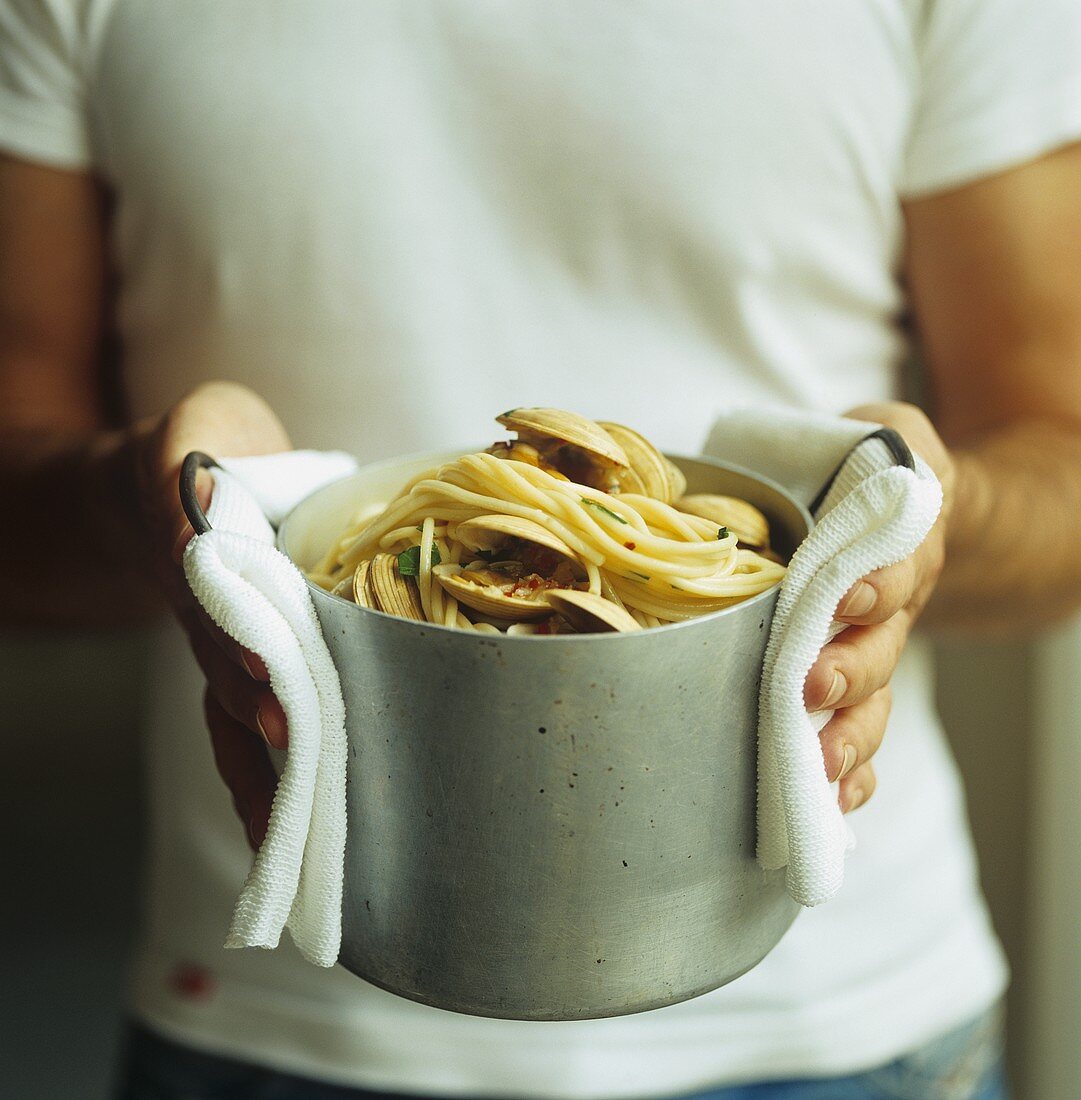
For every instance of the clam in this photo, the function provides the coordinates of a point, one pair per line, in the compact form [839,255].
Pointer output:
[489,591]
[576,447]
[590,614]
[744,520]
[649,473]
[355,586]
[492,532]
[677,483]
[361,585]
[535,561]
[391,592]
[523,452]
[344,588]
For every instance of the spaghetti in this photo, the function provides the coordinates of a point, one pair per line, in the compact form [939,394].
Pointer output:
[479,542]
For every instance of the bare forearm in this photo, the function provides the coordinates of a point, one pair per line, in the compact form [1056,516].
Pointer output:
[1013,544]
[73,543]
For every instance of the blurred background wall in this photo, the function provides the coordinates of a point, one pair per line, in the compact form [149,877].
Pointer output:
[69,815]
[71,819]
[1053,935]
[985,695]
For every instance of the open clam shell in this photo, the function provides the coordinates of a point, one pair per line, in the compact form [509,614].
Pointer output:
[492,532]
[551,429]
[590,614]
[677,483]
[484,586]
[391,592]
[744,520]
[648,466]
[518,451]
[361,585]
[479,589]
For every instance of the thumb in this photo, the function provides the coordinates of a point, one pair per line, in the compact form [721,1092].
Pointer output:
[221,418]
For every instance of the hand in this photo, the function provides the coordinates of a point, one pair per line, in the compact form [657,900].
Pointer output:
[241,711]
[852,674]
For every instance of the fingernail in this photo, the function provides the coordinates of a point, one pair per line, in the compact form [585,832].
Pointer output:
[860,602]
[847,764]
[253,665]
[181,543]
[204,487]
[851,800]
[279,739]
[837,688]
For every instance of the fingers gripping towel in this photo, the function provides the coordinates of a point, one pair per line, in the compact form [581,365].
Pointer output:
[259,598]
[875,513]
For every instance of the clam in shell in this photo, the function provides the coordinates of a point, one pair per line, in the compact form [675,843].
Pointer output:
[344,588]
[649,474]
[517,451]
[578,448]
[677,483]
[513,589]
[483,589]
[354,586]
[391,592]
[744,520]
[361,585]
[590,614]
[494,531]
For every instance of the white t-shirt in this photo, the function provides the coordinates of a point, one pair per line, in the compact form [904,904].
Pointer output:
[396,219]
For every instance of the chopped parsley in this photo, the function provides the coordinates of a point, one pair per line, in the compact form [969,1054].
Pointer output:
[409,560]
[722,533]
[601,508]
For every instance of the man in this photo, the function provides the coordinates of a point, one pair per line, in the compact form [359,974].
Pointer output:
[387,221]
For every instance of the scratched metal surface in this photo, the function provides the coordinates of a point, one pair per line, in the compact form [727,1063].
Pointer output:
[558,827]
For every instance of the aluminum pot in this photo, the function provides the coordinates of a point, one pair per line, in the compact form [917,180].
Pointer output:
[550,828]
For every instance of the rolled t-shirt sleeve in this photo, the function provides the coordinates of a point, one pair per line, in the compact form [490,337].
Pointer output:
[42,86]
[999,84]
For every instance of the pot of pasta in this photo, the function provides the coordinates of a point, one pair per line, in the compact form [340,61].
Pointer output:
[550,651]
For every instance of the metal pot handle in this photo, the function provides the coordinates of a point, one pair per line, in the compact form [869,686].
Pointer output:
[897,447]
[192,464]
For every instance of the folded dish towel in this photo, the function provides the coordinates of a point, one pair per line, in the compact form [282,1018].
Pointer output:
[875,512]
[257,596]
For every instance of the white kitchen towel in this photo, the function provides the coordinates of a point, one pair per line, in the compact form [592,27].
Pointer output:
[258,597]
[876,512]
